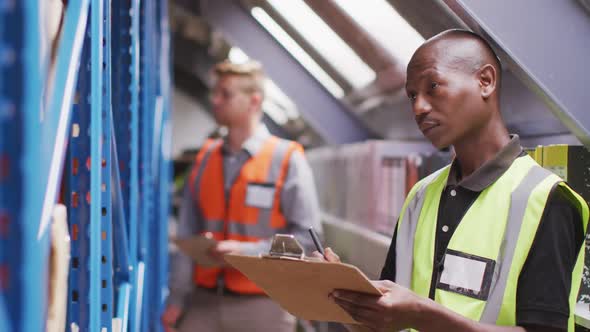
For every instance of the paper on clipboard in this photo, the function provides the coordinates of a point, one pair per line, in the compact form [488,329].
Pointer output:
[197,248]
[302,287]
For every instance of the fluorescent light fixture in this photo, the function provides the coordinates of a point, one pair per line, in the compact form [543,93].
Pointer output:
[325,41]
[296,51]
[384,23]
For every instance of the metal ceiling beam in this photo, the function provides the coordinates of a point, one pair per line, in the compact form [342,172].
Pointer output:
[387,82]
[428,17]
[326,114]
[303,43]
[546,46]
[390,76]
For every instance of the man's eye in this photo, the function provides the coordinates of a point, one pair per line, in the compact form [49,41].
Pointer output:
[433,85]
[412,96]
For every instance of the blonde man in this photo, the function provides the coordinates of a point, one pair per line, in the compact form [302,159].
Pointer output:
[242,190]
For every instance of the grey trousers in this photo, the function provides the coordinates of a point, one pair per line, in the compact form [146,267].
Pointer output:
[209,312]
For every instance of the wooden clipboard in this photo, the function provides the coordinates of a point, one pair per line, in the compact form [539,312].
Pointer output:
[302,287]
[197,248]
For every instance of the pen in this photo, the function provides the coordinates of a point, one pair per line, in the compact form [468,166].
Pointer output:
[316,241]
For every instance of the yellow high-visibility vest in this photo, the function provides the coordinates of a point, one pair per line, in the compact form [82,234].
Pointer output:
[488,249]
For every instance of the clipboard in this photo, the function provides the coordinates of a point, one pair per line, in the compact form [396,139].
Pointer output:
[197,248]
[301,286]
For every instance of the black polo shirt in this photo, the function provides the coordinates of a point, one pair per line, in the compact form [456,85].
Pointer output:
[544,283]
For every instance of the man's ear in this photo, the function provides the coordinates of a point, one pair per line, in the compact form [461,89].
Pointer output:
[256,100]
[488,83]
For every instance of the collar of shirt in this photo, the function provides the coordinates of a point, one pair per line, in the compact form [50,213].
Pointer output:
[490,171]
[253,144]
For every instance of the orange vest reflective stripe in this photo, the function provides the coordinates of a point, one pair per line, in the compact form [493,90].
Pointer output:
[233,219]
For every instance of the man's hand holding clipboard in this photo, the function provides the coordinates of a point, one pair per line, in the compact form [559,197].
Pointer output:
[369,309]
[302,285]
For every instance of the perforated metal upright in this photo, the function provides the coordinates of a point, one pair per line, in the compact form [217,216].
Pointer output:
[154,162]
[91,292]
[11,65]
[129,150]
[106,207]
[147,111]
[125,73]
[165,187]
[78,194]
[160,161]
[22,253]
[94,123]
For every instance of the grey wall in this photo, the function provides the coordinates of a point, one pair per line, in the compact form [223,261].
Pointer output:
[191,123]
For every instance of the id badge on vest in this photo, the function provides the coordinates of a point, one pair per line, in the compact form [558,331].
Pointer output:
[260,195]
[466,274]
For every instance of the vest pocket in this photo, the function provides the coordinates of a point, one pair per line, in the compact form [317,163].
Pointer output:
[260,195]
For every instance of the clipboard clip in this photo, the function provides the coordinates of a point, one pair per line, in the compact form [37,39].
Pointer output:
[285,246]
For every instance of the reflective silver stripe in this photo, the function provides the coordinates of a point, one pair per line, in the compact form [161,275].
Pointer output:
[278,156]
[518,204]
[404,242]
[251,230]
[274,173]
[215,226]
[197,183]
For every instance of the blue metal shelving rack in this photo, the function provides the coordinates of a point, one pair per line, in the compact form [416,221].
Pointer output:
[10,154]
[22,252]
[99,143]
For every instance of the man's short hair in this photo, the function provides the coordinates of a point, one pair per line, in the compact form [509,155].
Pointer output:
[469,63]
[251,71]
[486,47]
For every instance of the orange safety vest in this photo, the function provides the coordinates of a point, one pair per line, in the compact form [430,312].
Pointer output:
[232,218]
